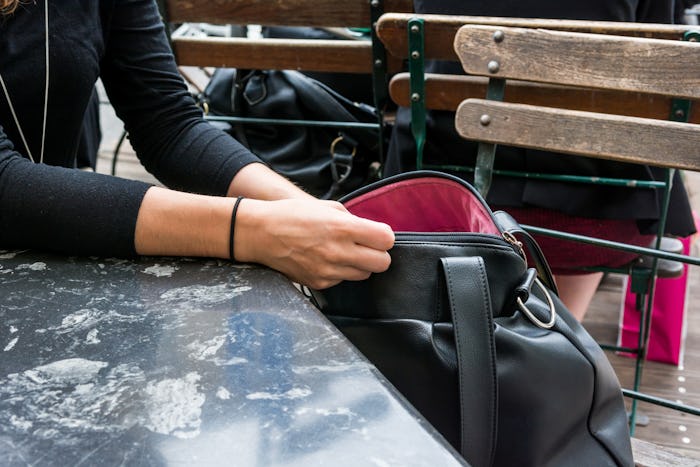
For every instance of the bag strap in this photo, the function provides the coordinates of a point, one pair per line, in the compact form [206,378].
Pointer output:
[313,93]
[238,83]
[333,105]
[470,304]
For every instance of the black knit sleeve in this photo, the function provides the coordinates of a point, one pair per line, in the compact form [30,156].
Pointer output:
[165,128]
[65,210]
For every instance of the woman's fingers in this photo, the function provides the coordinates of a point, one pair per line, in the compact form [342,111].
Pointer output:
[364,258]
[339,274]
[373,234]
[320,270]
[364,231]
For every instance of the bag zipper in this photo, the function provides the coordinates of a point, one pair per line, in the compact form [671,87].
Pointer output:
[515,243]
[506,237]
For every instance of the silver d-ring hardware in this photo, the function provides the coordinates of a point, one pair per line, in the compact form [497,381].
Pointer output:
[534,318]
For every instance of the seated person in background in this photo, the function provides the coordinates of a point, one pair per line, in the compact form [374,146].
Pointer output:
[51,54]
[629,215]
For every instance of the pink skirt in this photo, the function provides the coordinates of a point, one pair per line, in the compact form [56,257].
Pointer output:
[567,257]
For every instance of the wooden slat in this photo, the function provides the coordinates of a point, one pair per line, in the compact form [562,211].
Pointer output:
[440,30]
[318,13]
[648,454]
[309,55]
[580,59]
[446,92]
[624,139]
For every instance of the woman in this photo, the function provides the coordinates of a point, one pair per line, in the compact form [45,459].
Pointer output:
[51,54]
[628,215]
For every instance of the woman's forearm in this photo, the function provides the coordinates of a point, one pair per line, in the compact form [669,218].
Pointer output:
[177,223]
[183,224]
[316,243]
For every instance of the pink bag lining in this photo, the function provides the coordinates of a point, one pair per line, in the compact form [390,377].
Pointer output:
[428,204]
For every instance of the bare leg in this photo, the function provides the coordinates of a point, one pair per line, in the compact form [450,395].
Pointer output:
[577,291]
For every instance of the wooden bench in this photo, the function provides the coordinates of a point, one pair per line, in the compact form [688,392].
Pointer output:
[669,68]
[338,55]
[656,71]
[446,92]
[293,54]
[307,55]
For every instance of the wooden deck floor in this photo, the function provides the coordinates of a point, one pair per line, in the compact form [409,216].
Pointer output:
[666,427]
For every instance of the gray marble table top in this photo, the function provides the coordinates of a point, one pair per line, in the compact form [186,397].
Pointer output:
[161,361]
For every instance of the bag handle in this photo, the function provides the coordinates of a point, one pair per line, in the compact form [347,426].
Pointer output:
[472,317]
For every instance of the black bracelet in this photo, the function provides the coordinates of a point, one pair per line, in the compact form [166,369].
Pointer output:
[233,227]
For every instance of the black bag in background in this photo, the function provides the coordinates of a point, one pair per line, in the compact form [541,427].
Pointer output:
[464,330]
[327,162]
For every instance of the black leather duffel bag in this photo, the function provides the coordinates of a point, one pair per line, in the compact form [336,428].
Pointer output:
[470,335]
[271,111]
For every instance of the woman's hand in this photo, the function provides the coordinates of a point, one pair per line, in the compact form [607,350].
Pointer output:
[316,243]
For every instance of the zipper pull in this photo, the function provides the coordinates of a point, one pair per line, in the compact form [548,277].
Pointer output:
[517,245]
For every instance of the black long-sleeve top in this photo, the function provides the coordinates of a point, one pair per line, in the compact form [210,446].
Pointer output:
[444,146]
[54,206]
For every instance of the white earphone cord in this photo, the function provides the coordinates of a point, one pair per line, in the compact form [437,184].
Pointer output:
[46,79]
[46,94]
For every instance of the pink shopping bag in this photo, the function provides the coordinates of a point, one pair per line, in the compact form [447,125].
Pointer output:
[667,333]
